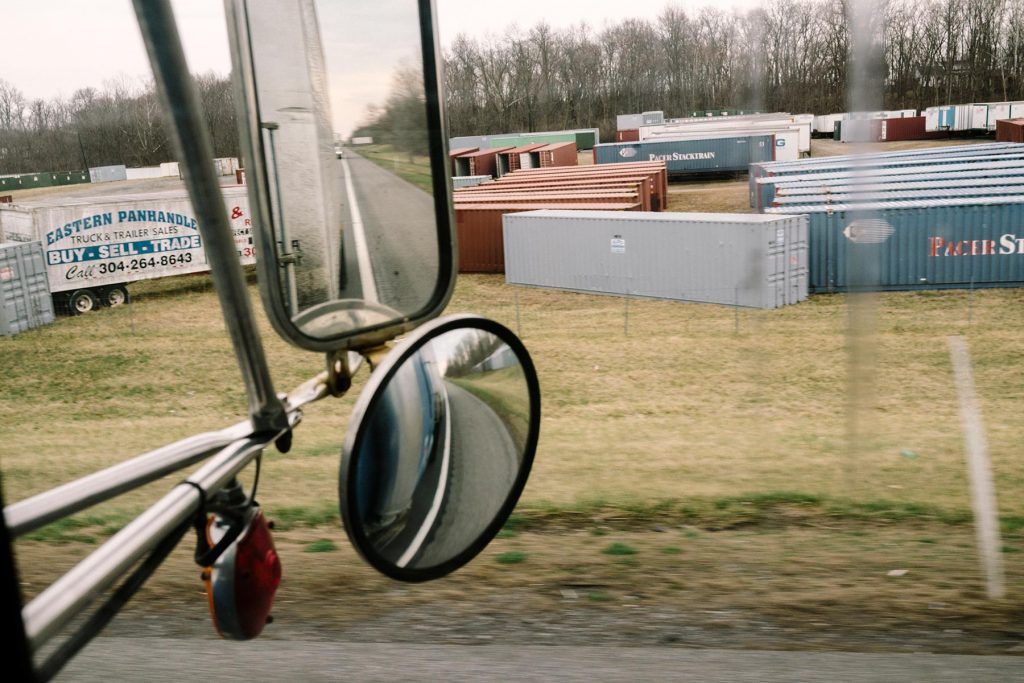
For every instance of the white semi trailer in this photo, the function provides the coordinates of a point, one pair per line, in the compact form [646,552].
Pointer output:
[95,246]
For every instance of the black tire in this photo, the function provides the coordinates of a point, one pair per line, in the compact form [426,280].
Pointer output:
[82,301]
[115,296]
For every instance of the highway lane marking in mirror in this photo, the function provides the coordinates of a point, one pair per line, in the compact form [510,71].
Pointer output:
[359,238]
[435,507]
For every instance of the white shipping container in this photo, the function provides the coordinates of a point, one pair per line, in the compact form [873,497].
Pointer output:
[96,242]
[735,126]
[826,123]
[732,259]
[629,121]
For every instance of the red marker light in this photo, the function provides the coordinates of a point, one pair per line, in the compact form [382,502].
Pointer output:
[241,583]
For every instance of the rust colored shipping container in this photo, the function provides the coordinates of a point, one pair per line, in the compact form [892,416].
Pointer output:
[644,167]
[1010,130]
[910,128]
[628,135]
[558,154]
[509,160]
[480,237]
[458,152]
[602,168]
[640,184]
[580,198]
[655,190]
[481,162]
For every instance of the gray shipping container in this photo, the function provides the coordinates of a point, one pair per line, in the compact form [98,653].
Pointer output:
[470,180]
[106,174]
[930,244]
[24,290]
[749,260]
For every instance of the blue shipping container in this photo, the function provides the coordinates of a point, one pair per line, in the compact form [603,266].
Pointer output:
[709,155]
[934,244]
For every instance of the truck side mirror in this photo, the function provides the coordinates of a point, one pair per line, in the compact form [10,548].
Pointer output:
[344,150]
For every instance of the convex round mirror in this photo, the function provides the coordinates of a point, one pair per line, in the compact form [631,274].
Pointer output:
[439,447]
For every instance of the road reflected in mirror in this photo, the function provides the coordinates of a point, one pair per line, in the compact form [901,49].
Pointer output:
[344,131]
[439,452]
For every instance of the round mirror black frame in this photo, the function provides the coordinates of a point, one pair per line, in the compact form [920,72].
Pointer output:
[367,402]
[254,157]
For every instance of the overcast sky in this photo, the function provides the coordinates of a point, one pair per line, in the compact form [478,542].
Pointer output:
[54,47]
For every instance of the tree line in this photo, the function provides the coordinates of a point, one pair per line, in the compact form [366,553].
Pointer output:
[122,123]
[788,55]
[817,56]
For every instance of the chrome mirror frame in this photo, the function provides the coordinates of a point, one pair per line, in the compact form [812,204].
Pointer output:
[255,159]
[372,395]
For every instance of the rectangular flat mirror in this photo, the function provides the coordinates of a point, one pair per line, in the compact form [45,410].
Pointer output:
[346,165]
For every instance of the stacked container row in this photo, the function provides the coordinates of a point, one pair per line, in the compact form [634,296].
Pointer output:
[478,210]
[987,159]
[27,181]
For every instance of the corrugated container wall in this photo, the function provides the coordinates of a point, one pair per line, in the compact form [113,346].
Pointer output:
[936,244]
[629,121]
[107,174]
[25,300]
[563,154]
[908,128]
[469,180]
[630,135]
[732,259]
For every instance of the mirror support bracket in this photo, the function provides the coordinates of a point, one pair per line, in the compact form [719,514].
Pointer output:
[339,373]
[375,355]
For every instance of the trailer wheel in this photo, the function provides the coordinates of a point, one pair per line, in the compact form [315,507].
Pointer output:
[82,301]
[116,296]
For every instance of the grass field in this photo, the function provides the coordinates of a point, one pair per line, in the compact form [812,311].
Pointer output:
[412,169]
[695,458]
[645,403]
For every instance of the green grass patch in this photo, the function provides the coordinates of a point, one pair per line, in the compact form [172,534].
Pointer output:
[599,596]
[322,546]
[671,550]
[290,517]
[511,557]
[618,548]
[82,528]
[415,169]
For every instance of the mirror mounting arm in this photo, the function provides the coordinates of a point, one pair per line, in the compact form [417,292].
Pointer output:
[192,143]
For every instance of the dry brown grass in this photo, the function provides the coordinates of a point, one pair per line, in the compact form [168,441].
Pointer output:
[714,410]
[696,401]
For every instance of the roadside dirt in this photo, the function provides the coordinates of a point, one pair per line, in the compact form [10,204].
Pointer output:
[794,585]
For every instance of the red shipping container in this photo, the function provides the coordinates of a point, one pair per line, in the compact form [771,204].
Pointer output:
[481,162]
[642,184]
[1010,130]
[558,154]
[508,161]
[909,128]
[629,135]
[480,237]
